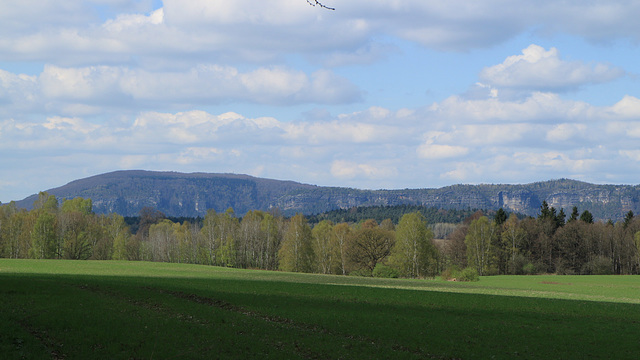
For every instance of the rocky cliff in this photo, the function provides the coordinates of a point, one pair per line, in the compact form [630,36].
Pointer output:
[178,194]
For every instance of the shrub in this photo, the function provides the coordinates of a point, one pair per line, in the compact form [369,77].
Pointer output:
[468,274]
[454,273]
[450,273]
[384,271]
[516,266]
[599,266]
[563,268]
[529,269]
[492,271]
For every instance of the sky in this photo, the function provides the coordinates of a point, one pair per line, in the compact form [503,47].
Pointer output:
[376,94]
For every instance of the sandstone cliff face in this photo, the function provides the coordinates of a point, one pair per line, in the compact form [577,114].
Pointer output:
[191,195]
[521,201]
[604,201]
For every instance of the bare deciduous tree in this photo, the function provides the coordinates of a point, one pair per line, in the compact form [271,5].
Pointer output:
[318,3]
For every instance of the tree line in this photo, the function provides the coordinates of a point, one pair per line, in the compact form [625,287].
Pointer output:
[433,215]
[500,244]
[550,243]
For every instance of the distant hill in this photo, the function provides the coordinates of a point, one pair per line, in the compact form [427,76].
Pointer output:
[175,194]
[191,195]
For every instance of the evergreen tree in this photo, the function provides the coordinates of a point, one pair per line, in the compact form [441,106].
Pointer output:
[574,214]
[500,217]
[560,218]
[587,217]
[545,211]
[628,218]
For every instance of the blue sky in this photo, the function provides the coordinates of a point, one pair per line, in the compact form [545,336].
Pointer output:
[376,94]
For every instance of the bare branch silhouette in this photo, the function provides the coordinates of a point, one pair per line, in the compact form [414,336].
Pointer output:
[317,2]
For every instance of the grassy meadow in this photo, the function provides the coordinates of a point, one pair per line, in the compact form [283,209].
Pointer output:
[53,309]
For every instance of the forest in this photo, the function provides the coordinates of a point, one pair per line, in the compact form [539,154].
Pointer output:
[485,244]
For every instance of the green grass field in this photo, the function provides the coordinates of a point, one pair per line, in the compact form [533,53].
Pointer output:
[136,310]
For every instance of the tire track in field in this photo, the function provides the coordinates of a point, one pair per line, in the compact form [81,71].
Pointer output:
[229,307]
[291,324]
[53,347]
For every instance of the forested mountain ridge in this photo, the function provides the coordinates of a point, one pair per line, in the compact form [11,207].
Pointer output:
[180,194]
[174,194]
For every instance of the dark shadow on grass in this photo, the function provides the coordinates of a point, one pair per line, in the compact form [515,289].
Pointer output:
[312,320]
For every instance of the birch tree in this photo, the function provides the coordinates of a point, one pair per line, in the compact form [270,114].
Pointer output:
[325,247]
[478,240]
[342,232]
[414,253]
[296,253]
[512,237]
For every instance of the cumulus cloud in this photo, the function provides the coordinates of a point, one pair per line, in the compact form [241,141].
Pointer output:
[565,132]
[430,150]
[363,149]
[349,170]
[435,151]
[69,124]
[536,105]
[557,161]
[538,69]
[18,92]
[85,90]
[121,84]
[339,132]
[628,107]
[74,34]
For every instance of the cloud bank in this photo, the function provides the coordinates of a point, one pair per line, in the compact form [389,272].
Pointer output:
[287,91]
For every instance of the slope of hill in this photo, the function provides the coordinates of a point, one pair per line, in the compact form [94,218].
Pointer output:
[175,194]
[179,194]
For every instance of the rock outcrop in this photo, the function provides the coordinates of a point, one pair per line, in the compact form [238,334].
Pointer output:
[191,195]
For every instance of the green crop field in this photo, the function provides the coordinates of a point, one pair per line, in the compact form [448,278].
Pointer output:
[137,310]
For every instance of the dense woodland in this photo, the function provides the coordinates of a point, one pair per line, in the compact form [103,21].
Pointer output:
[431,214]
[552,242]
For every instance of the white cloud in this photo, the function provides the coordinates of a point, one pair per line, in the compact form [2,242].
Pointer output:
[339,132]
[628,107]
[193,155]
[503,134]
[538,69]
[557,161]
[434,151]
[17,92]
[104,84]
[125,22]
[372,148]
[71,124]
[565,132]
[536,105]
[430,150]
[634,155]
[350,170]
[90,83]
[87,90]
[191,127]
[463,172]
[219,30]
[624,129]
